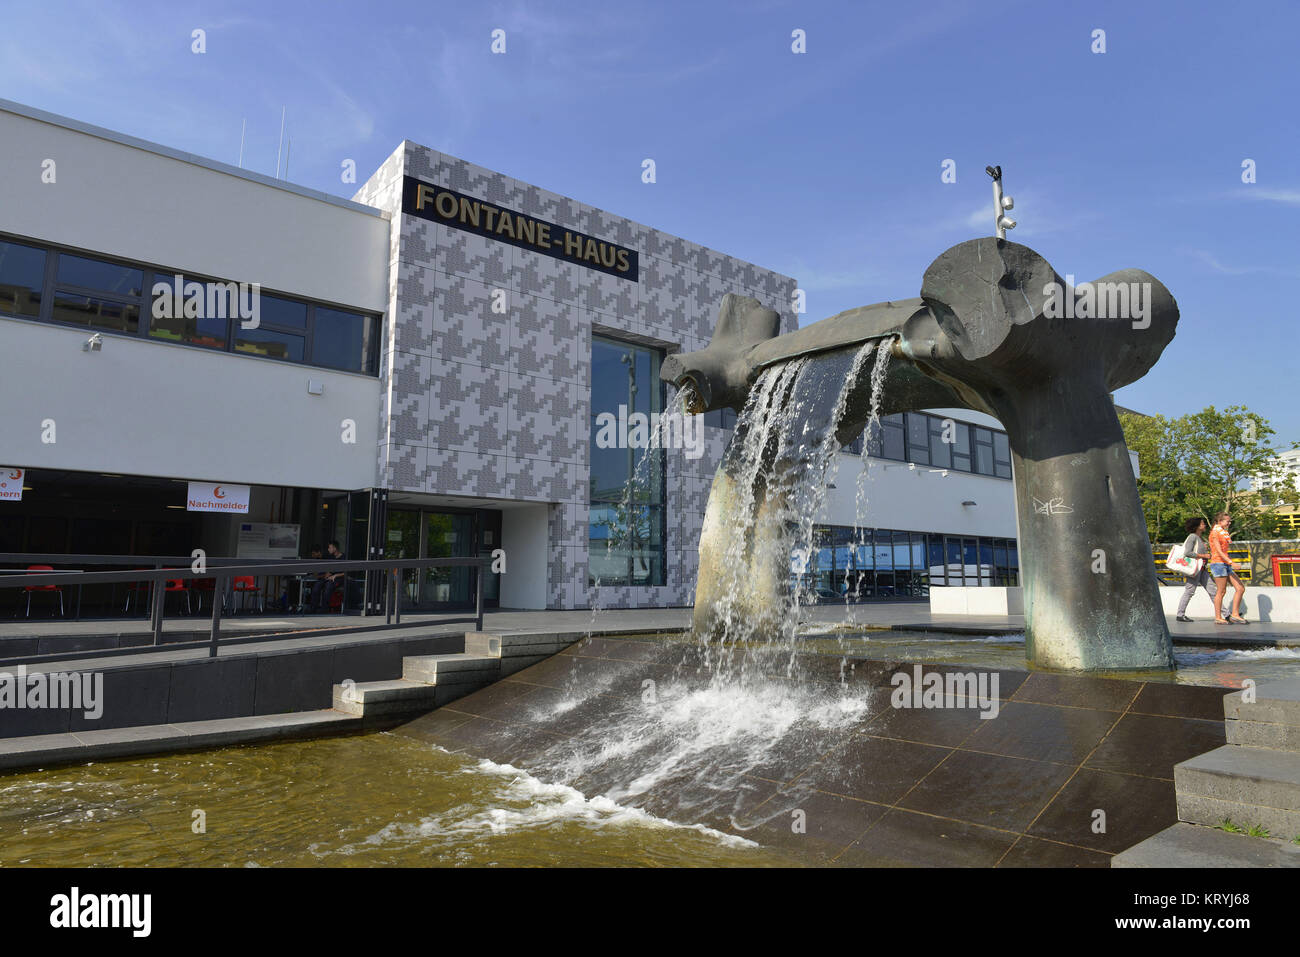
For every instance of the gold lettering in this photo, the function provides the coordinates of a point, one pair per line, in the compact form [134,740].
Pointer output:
[544,235]
[591,254]
[608,263]
[506,225]
[572,245]
[445,211]
[525,228]
[469,211]
[424,192]
[622,260]
[489,213]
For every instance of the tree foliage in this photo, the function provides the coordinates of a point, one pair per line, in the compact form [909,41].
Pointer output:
[1200,464]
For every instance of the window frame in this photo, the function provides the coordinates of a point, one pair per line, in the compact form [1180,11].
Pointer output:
[655,504]
[150,274]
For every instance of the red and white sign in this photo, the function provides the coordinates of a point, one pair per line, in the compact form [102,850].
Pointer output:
[205,497]
[11,485]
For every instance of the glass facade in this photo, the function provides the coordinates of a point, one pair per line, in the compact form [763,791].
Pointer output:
[51,285]
[938,442]
[871,564]
[626,525]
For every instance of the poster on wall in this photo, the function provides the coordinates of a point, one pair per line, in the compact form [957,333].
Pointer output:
[266,540]
[11,485]
[206,497]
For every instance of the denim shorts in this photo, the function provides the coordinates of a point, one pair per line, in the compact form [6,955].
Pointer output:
[1220,569]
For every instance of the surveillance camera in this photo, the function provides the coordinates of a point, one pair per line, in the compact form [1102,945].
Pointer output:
[994,171]
[1008,202]
[1006,223]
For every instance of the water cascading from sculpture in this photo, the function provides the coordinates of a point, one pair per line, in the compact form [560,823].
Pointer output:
[996,330]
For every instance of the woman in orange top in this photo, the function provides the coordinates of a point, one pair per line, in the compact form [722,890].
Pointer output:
[1221,570]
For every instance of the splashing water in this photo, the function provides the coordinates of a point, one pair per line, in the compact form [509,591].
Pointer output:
[781,467]
[729,708]
[860,500]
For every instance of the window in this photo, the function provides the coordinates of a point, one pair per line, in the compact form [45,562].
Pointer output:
[961,459]
[92,292]
[626,519]
[864,564]
[22,277]
[983,442]
[270,344]
[174,319]
[96,311]
[342,340]
[940,451]
[918,438]
[1001,455]
[50,285]
[886,438]
[99,275]
[280,333]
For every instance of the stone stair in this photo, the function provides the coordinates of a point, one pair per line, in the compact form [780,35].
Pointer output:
[1253,780]
[431,681]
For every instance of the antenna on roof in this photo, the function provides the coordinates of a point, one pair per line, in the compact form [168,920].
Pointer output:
[287,147]
[279,148]
[243,127]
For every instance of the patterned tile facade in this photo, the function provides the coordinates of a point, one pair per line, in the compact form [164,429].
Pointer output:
[487,361]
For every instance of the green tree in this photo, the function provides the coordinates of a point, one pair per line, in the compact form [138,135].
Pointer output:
[1160,482]
[1200,464]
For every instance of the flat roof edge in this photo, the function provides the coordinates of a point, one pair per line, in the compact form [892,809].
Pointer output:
[77,126]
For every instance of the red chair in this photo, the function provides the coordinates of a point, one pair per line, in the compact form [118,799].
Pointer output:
[244,585]
[135,588]
[31,588]
[201,587]
[178,585]
[336,600]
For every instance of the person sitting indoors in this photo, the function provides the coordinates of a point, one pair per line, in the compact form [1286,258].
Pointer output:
[322,590]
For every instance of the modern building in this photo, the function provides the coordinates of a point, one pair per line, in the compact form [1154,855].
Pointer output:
[193,355]
[1287,477]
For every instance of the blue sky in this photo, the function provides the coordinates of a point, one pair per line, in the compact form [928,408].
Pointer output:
[824,165]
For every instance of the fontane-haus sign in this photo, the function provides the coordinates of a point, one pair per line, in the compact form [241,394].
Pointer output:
[446,206]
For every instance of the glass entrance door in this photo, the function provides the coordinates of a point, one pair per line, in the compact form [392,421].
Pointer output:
[402,540]
[448,535]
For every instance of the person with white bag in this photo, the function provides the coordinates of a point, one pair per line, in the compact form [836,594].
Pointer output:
[1196,550]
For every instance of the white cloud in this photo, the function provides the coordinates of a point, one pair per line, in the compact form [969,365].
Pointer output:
[1287,197]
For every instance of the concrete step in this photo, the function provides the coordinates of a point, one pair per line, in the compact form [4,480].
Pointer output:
[1249,786]
[46,750]
[1263,734]
[369,698]
[1190,845]
[459,668]
[483,643]
[518,644]
[1271,720]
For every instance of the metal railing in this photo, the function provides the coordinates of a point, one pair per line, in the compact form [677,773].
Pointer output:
[223,572]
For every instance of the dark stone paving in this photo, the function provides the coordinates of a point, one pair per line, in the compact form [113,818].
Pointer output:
[1071,770]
